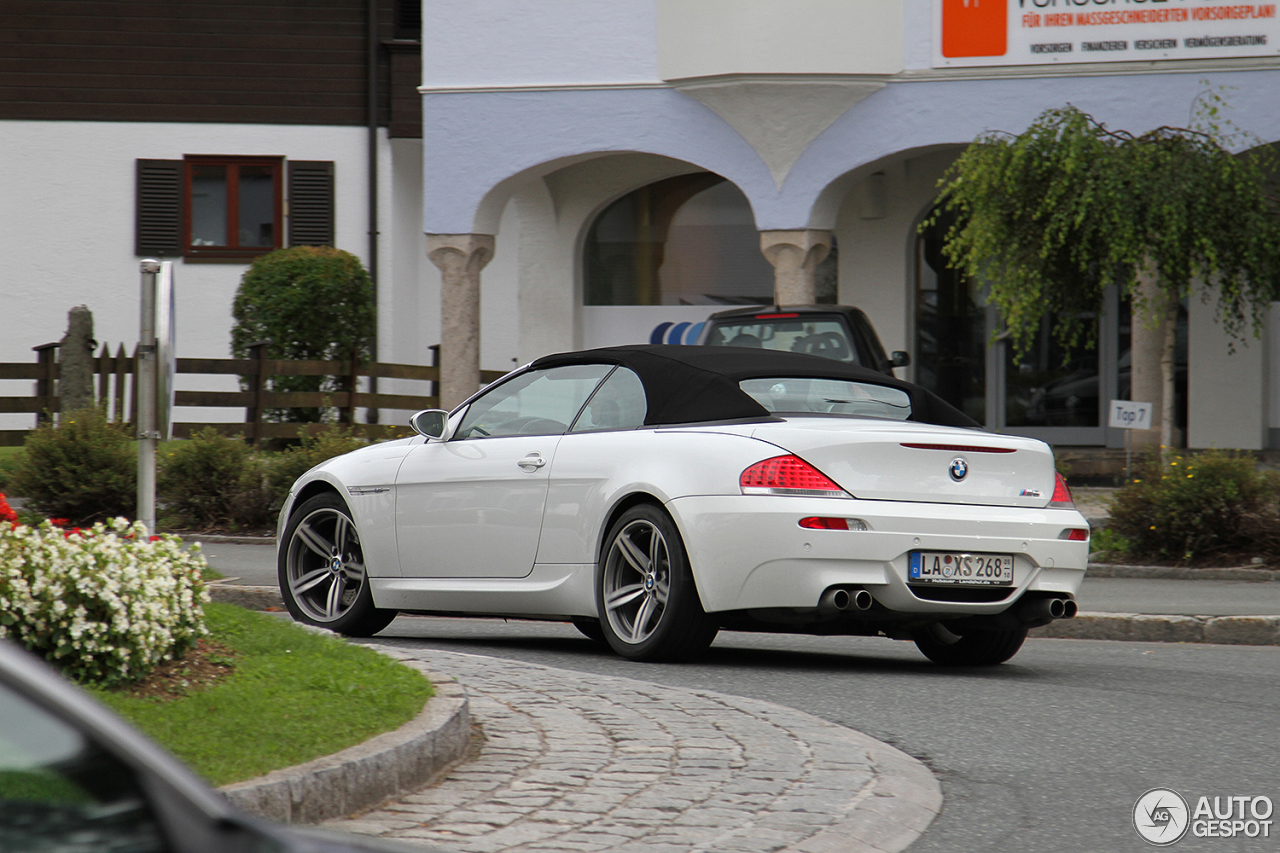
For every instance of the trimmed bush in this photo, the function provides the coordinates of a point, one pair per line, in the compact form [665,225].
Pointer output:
[1198,506]
[288,466]
[104,605]
[213,480]
[85,469]
[310,302]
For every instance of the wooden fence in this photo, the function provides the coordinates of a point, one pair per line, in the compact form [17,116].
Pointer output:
[115,391]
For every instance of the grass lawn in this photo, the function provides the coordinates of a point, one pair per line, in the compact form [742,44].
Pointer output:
[294,695]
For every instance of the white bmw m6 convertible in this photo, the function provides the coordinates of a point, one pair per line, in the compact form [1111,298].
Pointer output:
[654,495]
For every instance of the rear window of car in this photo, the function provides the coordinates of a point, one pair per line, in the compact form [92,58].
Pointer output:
[816,336]
[801,395]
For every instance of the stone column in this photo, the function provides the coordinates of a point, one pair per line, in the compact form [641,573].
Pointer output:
[460,258]
[1146,343]
[795,256]
[75,361]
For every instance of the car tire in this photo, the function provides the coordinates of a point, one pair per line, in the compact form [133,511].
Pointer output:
[645,593]
[976,648]
[321,568]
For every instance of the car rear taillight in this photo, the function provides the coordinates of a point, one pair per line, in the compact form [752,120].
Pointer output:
[1075,534]
[1061,494]
[815,522]
[788,475]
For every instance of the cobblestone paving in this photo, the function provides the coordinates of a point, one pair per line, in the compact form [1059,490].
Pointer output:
[572,762]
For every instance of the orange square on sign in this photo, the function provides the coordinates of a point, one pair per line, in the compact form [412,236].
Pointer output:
[975,27]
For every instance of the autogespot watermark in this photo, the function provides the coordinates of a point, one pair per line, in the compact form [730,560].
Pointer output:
[1163,817]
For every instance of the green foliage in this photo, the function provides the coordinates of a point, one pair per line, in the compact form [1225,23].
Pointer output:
[1053,216]
[1193,507]
[333,440]
[85,469]
[310,302]
[1107,539]
[9,459]
[294,696]
[213,480]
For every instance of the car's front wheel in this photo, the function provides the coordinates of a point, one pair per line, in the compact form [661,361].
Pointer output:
[975,648]
[322,573]
[646,597]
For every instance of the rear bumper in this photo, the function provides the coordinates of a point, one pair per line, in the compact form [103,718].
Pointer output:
[748,551]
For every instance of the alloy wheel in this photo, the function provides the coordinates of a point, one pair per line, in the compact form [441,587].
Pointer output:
[325,565]
[637,581]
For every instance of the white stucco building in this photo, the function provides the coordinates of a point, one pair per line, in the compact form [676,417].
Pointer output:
[581,145]
[593,172]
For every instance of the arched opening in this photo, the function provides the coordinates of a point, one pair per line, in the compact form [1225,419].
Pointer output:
[686,240]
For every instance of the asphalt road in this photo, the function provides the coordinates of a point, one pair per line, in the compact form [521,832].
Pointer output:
[1046,753]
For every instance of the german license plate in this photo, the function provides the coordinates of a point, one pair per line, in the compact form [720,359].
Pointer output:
[950,567]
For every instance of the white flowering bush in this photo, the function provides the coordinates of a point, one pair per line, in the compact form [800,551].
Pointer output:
[104,604]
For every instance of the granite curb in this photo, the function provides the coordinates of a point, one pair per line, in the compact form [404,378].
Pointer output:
[1182,573]
[1148,628]
[246,596]
[222,538]
[385,766]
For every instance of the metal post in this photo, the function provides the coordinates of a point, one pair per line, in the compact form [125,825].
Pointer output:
[146,396]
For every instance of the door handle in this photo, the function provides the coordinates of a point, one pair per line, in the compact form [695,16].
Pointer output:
[532,462]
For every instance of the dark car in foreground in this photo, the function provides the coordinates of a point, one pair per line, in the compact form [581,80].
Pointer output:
[75,778]
[839,332]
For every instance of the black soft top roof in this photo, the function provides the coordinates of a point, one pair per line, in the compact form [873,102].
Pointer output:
[689,384]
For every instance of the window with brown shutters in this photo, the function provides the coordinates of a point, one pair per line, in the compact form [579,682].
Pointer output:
[310,203]
[231,208]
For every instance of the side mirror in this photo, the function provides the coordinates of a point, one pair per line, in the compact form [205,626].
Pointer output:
[430,422]
[900,358]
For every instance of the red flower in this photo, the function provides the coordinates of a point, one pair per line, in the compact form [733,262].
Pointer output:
[59,522]
[6,511]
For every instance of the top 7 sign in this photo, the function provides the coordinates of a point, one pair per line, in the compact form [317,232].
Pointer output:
[1043,32]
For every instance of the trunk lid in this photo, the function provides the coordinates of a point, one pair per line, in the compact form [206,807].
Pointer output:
[902,461]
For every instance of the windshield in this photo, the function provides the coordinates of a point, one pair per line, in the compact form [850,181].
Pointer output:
[816,336]
[799,395]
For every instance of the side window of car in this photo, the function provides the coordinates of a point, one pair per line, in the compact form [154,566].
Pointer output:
[540,402]
[619,403]
[60,791]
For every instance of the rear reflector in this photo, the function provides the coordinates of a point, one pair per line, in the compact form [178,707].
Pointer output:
[1061,494]
[960,448]
[1075,534]
[788,475]
[814,522]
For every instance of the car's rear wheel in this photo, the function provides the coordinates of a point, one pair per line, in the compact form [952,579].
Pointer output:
[646,596]
[322,573]
[974,648]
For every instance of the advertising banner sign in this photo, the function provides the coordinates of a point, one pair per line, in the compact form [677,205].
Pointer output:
[1042,32]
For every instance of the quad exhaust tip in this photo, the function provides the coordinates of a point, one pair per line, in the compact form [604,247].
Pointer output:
[838,598]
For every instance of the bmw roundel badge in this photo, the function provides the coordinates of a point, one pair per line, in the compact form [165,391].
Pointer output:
[959,469]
